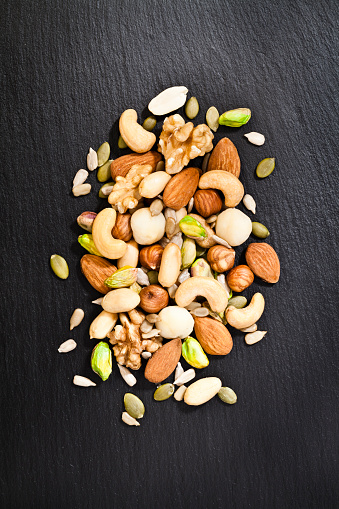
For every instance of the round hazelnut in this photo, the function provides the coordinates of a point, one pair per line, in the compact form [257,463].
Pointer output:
[221,258]
[239,278]
[150,256]
[122,229]
[207,202]
[153,298]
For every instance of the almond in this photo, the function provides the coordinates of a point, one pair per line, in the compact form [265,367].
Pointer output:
[96,270]
[122,229]
[239,278]
[225,157]
[163,362]
[150,256]
[263,261]
[181,188]
[213,336]
[207,202]
[122,165]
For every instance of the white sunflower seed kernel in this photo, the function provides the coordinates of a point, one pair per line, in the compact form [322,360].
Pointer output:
[251,328]
[82,381]
[80,177]
[222,280]
[184,274]
[67,346]
[211,219]
[249,203]
[179,370]
[146,355]
[255,138]
[81,190]
[221,241]
[156,207]
[106,190]
[127,375]
[200,312]
[177,239]
[128,419]
[152,318]
[187,376]
[193,305]
[146,326]
[190,205]
[92,160]
[180,393]
[97,301]
[171,290]
[142,278]
[254,337]
[76,318]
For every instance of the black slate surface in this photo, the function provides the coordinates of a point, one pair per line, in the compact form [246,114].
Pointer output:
[68,71]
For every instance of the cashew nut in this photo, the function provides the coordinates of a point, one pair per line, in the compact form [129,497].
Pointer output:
[107,245]
[131,256]
[170,265]
[226,182]
[207,287]
[245,317]
[133,134]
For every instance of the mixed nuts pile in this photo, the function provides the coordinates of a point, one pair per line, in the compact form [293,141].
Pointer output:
[162,254]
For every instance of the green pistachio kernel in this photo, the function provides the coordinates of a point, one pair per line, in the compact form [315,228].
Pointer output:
[59,266]
[153,277]
[104,172]
[192,108]
[87,242]
[193,353]
[103,153]
[121,142]
[265,167]
[259,230]
[164,392]
[238,302]
[122,278]
[101,360]
[227,395]
[188,253]
[134,406]
[192,228]
[201,268]
[235,118]
[136,287]
[149,123]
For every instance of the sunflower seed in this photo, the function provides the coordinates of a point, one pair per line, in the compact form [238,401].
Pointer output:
[227,395]
[151,334]
[212,118]
[200,312]
[177,239]
[80,177]
[163,242]
[127,376]
[128,419]
[107,189]
[180,393]
[205,162]
[92,160]
[254,337]
[142,278]
[186,376]
[97,301]
[190,205]
[193,305]
[156,207]
[249,203]
[82,381]
[171,290]
[211,219]
[67,346]
[184,274]
[251,328]
[255,138]
[152,318]
[81,190]
[76,318]
[222,280]
[179,370]
[146,326]
[221,241]
[146,355]
[170,228]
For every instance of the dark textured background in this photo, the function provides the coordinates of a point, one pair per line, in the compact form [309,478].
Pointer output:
[69,68]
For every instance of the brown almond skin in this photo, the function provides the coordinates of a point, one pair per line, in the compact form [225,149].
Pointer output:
[150,256]
[163,362]
[225,157]
[122,165]
[263,261]
[207,202]
[213,336]
[240,278]
[221,258]
[96,270]
[153,298]
[122,229]
[181,188]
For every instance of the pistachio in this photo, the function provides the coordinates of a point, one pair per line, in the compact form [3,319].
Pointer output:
[121,142]
[83,381]
[188,252]
[193,353]
[255,138]
[238,302]
[134,406]
[67,346]
[86,219]
[249,203]
[76,318]
[80,177]
[104,172]
[163,392]
[122,278]
[128,419]
[87,242]
[212,118]
[200,251]
[106,189]
[227,395]
[149,123]
[153,277]
[59,266]
[136,288]
[103,153]
[101,360]
[259,230]
[192,108]
[81,190]
[253,337]
[92,160]
[192,228]
[201,268]
[265,167]
[235,118]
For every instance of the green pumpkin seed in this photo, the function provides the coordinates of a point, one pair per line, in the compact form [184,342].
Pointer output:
[235,118]
[134,406]
[121,142]
[212,118]
[59,266]
[104,172]
[103,153]
[238,302]
[101,193]
[164,392]
[227,395]
[149,123]
[259,230]
[153,276]
[192,108]
[265,167]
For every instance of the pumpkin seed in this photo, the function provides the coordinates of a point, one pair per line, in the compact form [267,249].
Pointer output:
[104,172]
[259,230]
[153,277]
[121,142]
[227,395]
[164,392]
[103,153]
[102,192]
[265,167]
[149,123]
[192,108]
[134,406]
[59,266]
[212,118]
[238,302]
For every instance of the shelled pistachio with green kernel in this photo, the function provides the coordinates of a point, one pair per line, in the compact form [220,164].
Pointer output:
[235,118]
[101,360]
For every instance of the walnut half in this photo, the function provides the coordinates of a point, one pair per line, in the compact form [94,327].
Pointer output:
[125,194]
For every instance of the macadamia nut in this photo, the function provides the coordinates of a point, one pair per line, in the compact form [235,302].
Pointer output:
[175,322]
[233,226]
[147,229]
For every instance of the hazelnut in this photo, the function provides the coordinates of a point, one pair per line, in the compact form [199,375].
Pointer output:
[221,258]
[207,202]
[239,278]
[122,229]
[153,298]
[150,256]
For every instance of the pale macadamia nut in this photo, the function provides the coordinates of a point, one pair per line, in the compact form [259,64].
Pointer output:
[147,229]
[233,226]
[175,322]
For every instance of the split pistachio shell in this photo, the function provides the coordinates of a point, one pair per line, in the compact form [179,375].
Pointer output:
[82,381]
[265,167]
[235,118]
[86,219]
[227,395]
[202,390]
[249,203]
[76,318]
[255,138]
[128,419]
[259,230]
[103,153]
[92,160]
[201,268]
[192,228]
[67,346]
[188,252]
[87,242]
[134,406]
[192,108]
[149,123]
[193,353]
[80,177]
[212,118]
[59,266]
[164,392]
[101,360]
[122,278]
[104,172]
[254,337]
[121,142]
[238,302]
[168,100]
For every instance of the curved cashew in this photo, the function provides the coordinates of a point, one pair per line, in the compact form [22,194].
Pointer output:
[170,265]
[207,287]
[245,317]
[133,134]
[131,256]
[230,185]
[107,245]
